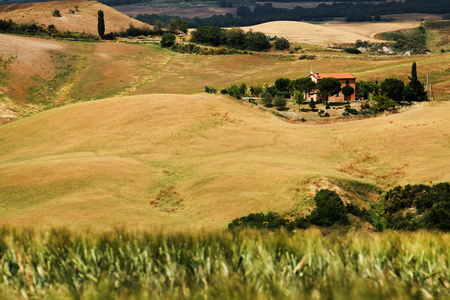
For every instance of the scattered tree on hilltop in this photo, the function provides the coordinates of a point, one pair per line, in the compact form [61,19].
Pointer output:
[101,24]
[415,91]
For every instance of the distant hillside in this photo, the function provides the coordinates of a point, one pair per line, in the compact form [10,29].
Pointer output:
[329,34]
[200,161]
[76,15]
[38,74]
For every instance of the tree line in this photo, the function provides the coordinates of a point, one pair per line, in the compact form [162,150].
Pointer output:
[233,38]
[33,29]
[261,13]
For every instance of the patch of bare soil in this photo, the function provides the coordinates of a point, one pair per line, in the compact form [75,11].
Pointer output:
[30,57]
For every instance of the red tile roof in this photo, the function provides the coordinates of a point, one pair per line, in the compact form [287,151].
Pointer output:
[334,75]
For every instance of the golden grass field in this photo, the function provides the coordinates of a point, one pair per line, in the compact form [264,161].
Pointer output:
[328,34]
[83,20]
[156,152]
[207,159]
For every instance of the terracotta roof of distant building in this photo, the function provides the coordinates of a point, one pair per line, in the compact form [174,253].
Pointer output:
[334,75]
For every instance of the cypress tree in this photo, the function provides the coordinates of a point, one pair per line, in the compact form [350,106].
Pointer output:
[417,89]
[101,24]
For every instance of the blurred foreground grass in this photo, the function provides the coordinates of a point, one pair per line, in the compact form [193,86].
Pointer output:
[59,264]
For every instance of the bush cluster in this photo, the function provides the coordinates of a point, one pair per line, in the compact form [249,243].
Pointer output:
[410,208]
[235,91]
[329,210]
[196,49]
[416,207]
[210,90]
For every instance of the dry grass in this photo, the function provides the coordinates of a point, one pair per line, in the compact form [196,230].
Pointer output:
[149,69]
[102,163]
[328,34]
[83,20]
[199,11]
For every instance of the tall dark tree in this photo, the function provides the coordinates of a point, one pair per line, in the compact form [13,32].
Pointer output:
[304,84]
[393,88]
[417,89]
[101,24]
[328,86]
[283,84]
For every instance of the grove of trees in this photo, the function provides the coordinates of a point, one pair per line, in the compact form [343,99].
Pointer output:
[234,38]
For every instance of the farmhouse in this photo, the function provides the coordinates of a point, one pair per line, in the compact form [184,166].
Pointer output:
[345,78]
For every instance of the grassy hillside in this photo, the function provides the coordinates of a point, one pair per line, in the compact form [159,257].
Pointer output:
[200,161]
[38,74]
[83,18]
[328,34]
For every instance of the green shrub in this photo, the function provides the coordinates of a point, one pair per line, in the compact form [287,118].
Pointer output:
[428,207]
[210,90]
[270,221]
[329,209]
[351,111]
[266,98]
[352,50]
[167,40]
[56,13]
[280,102]
[282,44]
[235,91]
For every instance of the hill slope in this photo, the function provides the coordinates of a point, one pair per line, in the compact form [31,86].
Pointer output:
[329,34]
[200,161]
[41,74]
[84,18]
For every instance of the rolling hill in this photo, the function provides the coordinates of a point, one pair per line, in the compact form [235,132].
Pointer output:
[328,34]
[199,161]
[77,15]
[42,74]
